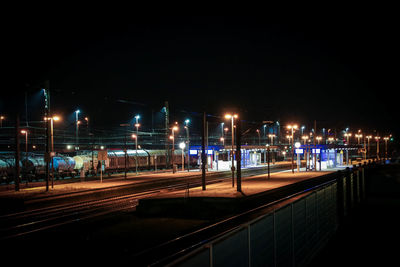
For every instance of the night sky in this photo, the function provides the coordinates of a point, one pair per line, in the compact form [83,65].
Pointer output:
[339,69]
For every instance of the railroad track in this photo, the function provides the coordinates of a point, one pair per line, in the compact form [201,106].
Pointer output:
[32,221]
[24,223]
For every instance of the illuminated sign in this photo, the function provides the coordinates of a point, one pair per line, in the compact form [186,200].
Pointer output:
[196,152]
[316,151]
[299,151]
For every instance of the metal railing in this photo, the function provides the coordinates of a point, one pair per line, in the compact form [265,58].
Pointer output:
[289,235]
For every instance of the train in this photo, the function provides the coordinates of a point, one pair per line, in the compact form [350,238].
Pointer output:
[85,163]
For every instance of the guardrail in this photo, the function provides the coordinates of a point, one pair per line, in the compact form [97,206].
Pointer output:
[290,235]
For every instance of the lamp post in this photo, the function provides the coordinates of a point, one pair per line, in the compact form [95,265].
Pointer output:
[25,132]
[297,145]
[358,136]
[182,147]
[137,125]
[52,120]
[347,135]
[187,121]
[232,117]
[134,136]
[1,121]
[306,155]
[386,139]
[377,138]
[77,128]
[172,137]
[293,128]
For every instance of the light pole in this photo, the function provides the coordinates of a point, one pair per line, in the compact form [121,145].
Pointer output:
[134,136]
[182,147]
[319,138]
[187,121]
[25,132]
[232,117]
[1,121]
[377,138]
[306,155]
[77,128]
[137,125]
[52,120]
[172,137]
[259,138]
[292,127]
[297,145]
[358,136]
[386,139]
[347,135]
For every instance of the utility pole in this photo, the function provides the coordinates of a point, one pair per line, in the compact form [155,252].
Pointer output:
[203,153]
[238,156]
[315,145]
[47,115]
[166,134]
[17,152]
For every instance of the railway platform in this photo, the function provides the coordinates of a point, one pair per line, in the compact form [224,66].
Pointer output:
[222,198]
[31,195]
[36,189]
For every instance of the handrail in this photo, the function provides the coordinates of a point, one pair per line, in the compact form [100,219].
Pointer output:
[227,220]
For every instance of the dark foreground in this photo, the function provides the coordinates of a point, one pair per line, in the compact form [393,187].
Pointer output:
[370,235]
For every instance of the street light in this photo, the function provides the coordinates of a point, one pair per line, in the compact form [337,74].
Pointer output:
[134,136]
[1,120]
[232,117]
[52,120]
[377,138]
[297,146]
[172,137]
[319,138]
[386,139]
[77,128]
[187,121]
[293,128]
[347,135]
[358,136]
[223,141]
[25,132]
[182,147]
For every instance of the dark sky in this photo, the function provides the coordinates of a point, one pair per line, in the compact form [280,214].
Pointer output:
[339,69]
